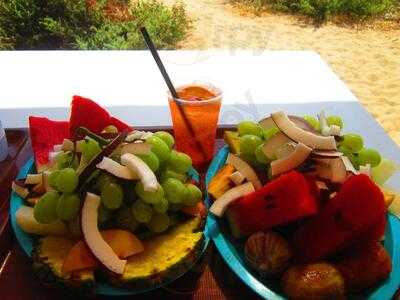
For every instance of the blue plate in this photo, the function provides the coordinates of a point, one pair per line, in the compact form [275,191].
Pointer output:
[232,252]
[102,288]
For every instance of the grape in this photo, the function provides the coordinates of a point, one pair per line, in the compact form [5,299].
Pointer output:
[179,162]
[67,180]
[175,191]
[166,137]
[103,214]
[52,178]
[125,219]
[90,148]
[313,121]
[63,160]
[45,210]
[158,223]
[353,142]
[167,173]
[334,120]
[369,156]
[194,195]
[159,147]
[68,206]
[110,129]
[151,160]
[149,197]
[270,132]
[142,211]
[103,180]
[249,127]
[112,195]
[249,143]
[161,206]
[260,156]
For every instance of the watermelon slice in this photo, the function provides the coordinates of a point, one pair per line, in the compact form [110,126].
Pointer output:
[87,113]
[286,199]
[44,135]
[356,213]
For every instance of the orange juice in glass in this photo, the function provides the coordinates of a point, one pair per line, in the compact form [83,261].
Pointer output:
[201,103]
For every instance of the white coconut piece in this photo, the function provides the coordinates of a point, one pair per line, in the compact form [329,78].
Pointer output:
[278,140]
[136,148]
[116,169]
[333,169]
[244,168]
[267,123]
[57,148]
[291,162]
[220,205]
[348,165]
[335,130]
[53,155]
[25,219]
[19,190]
[92,236]
[302,136]
[237,178]
[34,179]
[142,170]
[285,150]
[327,153]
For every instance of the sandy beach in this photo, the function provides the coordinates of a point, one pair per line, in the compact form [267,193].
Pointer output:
[366,57]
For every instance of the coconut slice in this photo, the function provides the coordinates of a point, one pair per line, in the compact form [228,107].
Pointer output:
[220,205]
[139,167]
[237,178]
[21,191]
[291,162]
[348,165]
[327,130]
[299,121]
[333,169]
[34,179]
[270,147]
[57,148]
[327,153]
[136,148]
[53,155]
[118,170]
[244,168]
[138,135]
[302,136]
[285,150]
[95,242]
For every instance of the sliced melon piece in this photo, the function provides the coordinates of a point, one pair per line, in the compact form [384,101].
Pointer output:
[244,168]
[27,222]
[302,136]
[95,242]
[136,148]
[273,144]
[221,204]
[143,171]
[237,178]
[114,168]
[291,162]
[220,182]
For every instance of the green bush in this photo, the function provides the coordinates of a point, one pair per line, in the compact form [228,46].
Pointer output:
[80,24]
[323,9]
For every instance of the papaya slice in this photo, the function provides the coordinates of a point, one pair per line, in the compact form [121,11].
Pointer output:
[44,135]
[221,182]
[123,243]
[199,210]
[89,114]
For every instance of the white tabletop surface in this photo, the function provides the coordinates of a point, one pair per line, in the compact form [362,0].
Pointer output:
[130,85]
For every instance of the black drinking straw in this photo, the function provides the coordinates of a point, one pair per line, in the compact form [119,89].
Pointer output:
[171,88]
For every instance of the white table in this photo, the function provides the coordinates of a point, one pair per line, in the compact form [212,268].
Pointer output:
[130,85]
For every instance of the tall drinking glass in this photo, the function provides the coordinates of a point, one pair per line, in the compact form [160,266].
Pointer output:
[201,104]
